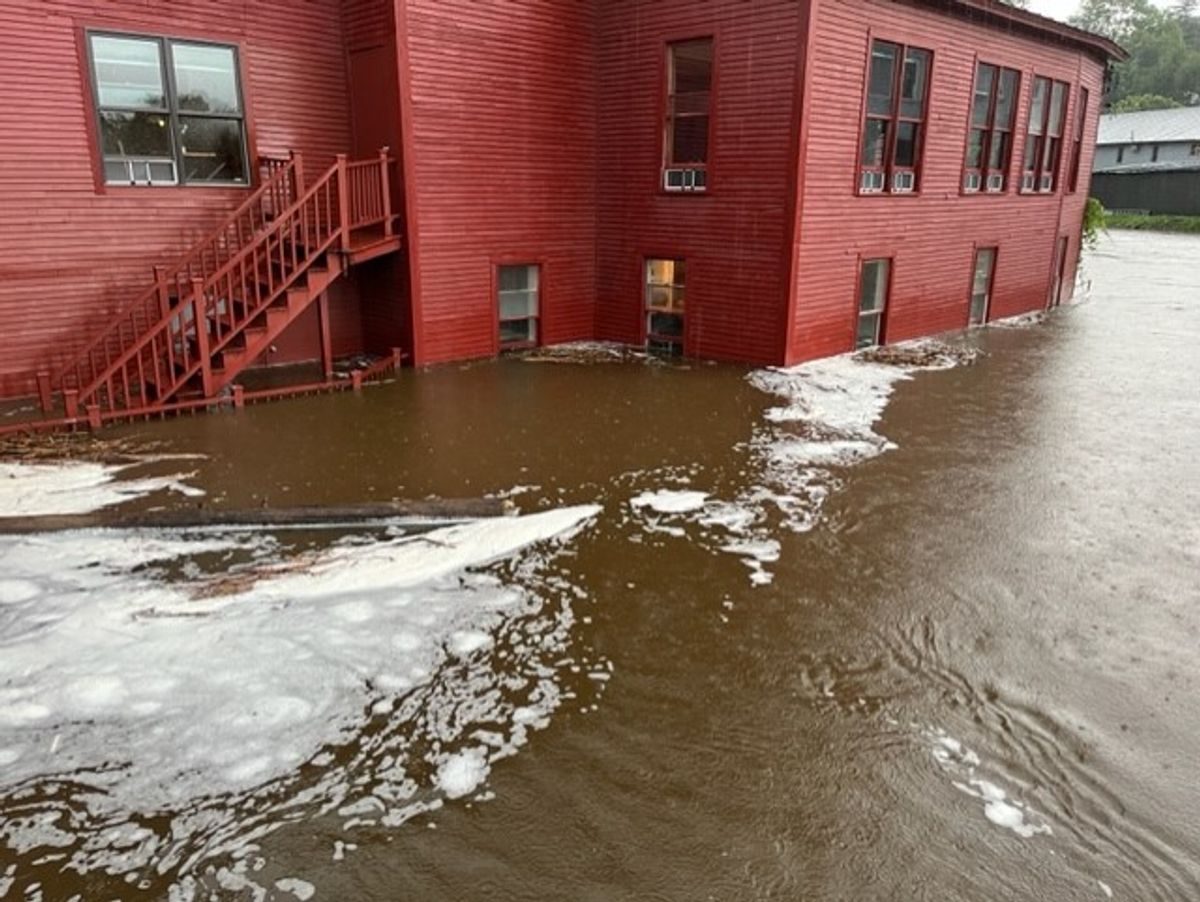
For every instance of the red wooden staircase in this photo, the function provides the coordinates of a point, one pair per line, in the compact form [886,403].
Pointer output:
[182,343]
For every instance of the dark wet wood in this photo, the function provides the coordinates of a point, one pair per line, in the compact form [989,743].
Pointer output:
[441,509]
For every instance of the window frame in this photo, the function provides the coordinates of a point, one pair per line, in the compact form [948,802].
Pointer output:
[1041,170]
[1082,101]
[888,167]
[666,119]
[531,262]
[646,310]
[173,112]
[884,314]
[994,247]
[984,172]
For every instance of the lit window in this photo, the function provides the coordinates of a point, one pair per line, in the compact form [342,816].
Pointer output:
[893,131]
[666,287]
[1081,111]
[872,301]
[159,130]
[689,103]
[518,306]
[1043,140]
[989,144]
[981,286]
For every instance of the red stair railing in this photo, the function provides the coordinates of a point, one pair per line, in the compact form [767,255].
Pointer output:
[283,181]
[180,343]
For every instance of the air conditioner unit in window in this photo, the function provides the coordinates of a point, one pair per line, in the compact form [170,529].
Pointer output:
[904,182]
[870,181]
[971,181]
[1047,183]
[685,180]
[995,182]
[1027,181]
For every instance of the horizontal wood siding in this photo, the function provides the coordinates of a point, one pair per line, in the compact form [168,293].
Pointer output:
[70,254]
[932,236]
[502,165]
[734,237]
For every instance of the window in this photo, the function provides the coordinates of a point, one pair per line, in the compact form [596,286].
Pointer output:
[981,286]
[897,88]
[168,111]
[1081,111]
[689,103]
[1043,140]
[873,290]
[666,283]
[517,290]
[1121,154]
[989,144]
[1195,150]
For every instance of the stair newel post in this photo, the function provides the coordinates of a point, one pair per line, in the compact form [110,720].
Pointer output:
[200,321]
[343,184]
[160,286]
[45,395]
[71,402]
[385,189]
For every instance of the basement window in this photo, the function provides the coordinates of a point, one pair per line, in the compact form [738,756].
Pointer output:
[989,144]
[688,115]
[666,288]
[168,112]
[1043,140]
[981,286]
[894,126]
[873,288]
[518,301]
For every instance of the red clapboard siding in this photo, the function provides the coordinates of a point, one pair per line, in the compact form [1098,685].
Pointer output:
[70,254]
[733,237]
[502,166]
[932,236]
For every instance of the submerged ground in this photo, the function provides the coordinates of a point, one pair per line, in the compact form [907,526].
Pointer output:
[756,645]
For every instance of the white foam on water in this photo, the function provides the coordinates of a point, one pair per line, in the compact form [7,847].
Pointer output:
[668,501]
[76,487]
[157,699]
[301,889]
[963,765]
[1105,888]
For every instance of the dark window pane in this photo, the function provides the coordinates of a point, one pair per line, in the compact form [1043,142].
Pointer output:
[689,140]
[211,150]
[128,72]
[1006,99]
[883,70]
[1050,155]
[872,293]
[520,331]
[665,348]
[975,149]
[907,137]
[1037,106]
[667,325]
[691,67]
[205,78]
[1031,149]
[998,154]
[135,134]
[913,84]
[517,278]
[984,82]
[874,142]
[868,331]
[1058,103]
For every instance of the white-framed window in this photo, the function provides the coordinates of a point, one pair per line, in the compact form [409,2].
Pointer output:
[874,283]
[981,286]
[666,291]
[168,112]
[518,304]
[689,113]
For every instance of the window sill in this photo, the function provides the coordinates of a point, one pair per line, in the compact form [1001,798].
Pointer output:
[150,189]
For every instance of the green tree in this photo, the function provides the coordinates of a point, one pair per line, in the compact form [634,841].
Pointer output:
[1136,103]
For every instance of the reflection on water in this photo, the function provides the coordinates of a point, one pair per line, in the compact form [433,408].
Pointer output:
[973,677]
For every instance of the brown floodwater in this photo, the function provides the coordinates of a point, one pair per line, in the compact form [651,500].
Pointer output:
[974,678]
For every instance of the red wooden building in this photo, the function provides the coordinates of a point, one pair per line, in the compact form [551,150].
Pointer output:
[763,181]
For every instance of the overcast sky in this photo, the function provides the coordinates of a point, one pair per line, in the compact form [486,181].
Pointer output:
[1064,9]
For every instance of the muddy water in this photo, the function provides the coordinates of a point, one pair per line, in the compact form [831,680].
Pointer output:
[975,678]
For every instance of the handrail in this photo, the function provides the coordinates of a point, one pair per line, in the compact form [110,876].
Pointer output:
[283,182]
[169,339]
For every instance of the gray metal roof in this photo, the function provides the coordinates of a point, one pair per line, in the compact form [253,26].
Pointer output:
[1162,166]
[1151,126]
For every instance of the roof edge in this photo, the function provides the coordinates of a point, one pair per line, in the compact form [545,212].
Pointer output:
[1043,26]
